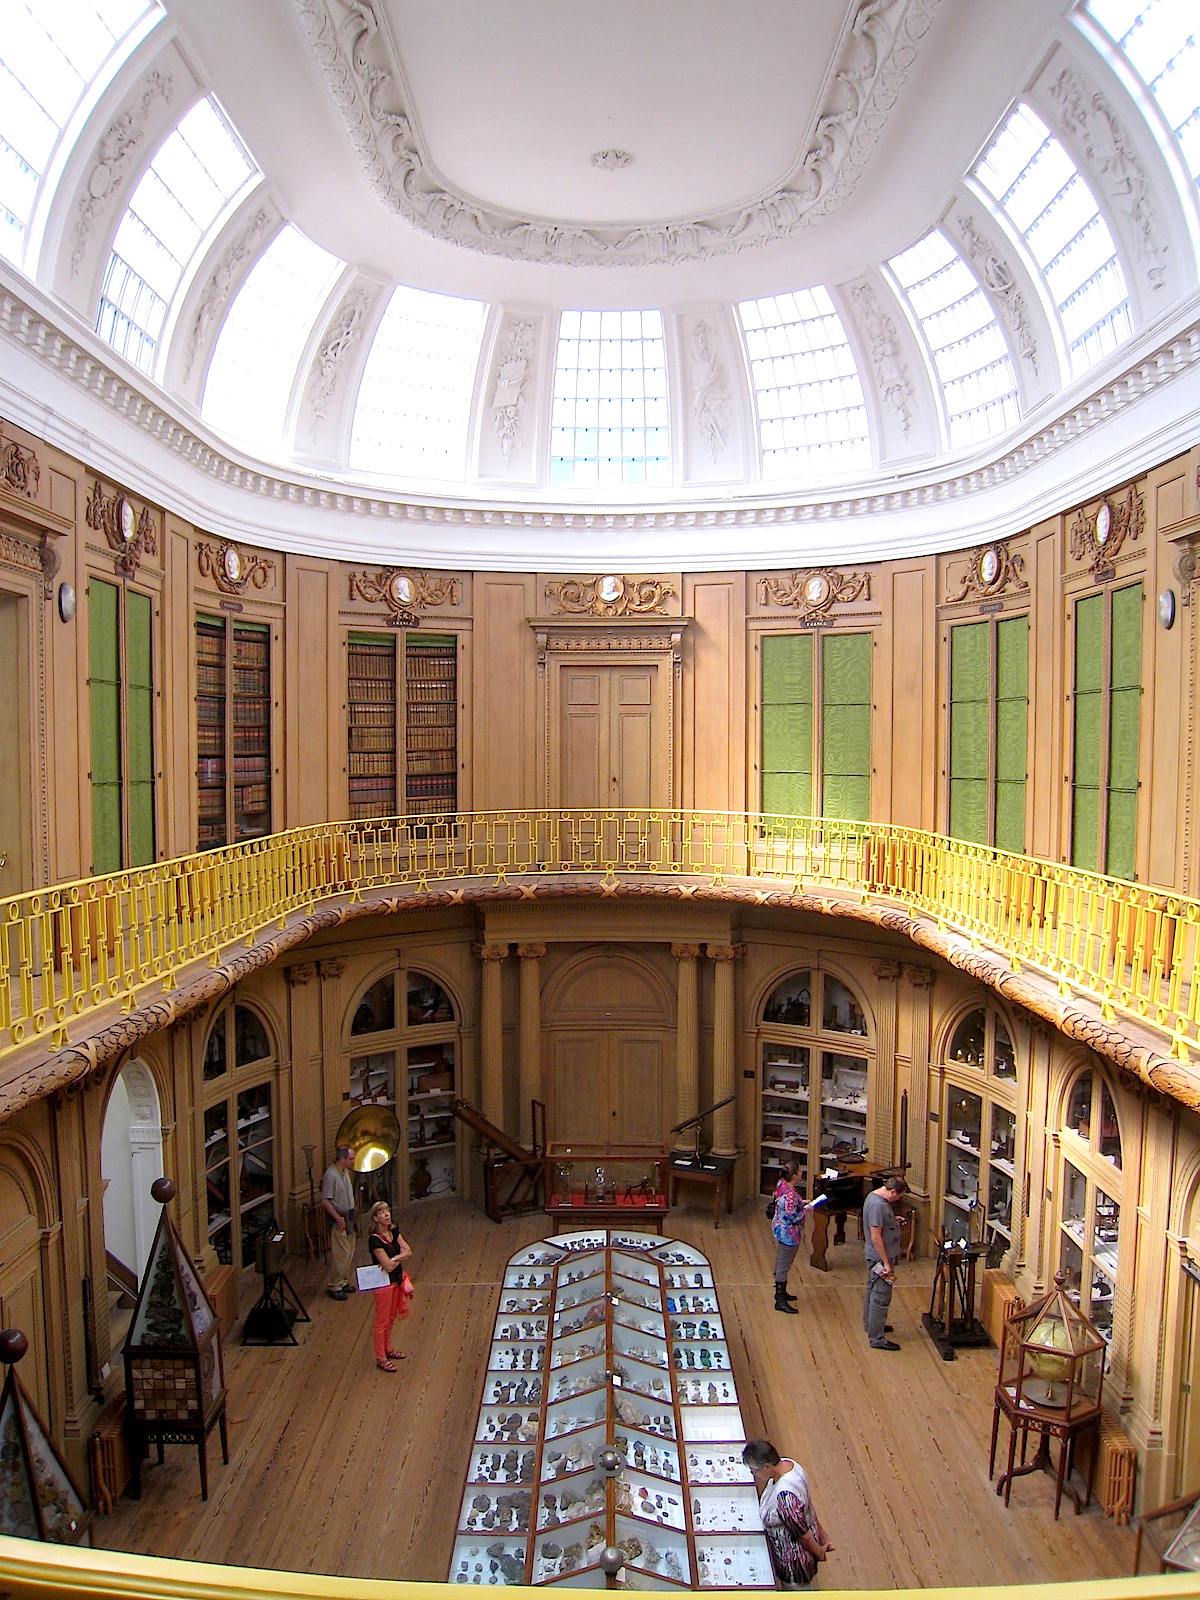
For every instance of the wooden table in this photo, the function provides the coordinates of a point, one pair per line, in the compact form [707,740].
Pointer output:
[645,1217]
[716,1174]
[1047,1424]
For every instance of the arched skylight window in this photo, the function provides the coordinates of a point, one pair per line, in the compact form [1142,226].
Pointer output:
[268,325]
[1030,175]
[609,424]
[52,53]
[811,416]
[1161,41]
[414,402]
[197,171]
[968,348]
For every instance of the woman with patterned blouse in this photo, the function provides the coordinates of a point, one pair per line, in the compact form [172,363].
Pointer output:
[797,1541]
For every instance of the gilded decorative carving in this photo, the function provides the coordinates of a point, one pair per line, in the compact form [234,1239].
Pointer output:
[402,591]
[991,570]
[113,157]
[711,401]
[130,534]
[230,569]
[1099,531]
[611,595]
[513,366]
[878,45]
[883,346]
[814,591]
[19,469]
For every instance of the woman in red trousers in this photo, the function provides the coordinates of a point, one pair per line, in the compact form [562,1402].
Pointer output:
[389,1251]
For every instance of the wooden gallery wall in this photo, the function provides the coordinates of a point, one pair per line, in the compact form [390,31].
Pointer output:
[1027,693]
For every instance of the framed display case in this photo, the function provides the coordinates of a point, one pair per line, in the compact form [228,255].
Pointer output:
[38,1496]
[606,1183]
[233,730]
[813,1082]
[609,1419]
[979,1134]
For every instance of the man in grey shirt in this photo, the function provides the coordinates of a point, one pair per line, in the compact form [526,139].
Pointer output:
[881,1236]
[337,1199]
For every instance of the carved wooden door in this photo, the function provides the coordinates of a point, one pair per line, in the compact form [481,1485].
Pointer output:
[612,746]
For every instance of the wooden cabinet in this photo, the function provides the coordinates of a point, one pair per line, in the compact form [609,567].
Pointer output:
[233,731]
[430,724]
[371,725]
[418,716]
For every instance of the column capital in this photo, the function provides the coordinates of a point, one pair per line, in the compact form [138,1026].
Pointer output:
[725,952]
[332,968]
[301,972]
[886,971]
[491,952]
[919,977]
[531,952]
[686,952]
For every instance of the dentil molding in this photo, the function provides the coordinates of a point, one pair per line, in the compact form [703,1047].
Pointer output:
[879,44]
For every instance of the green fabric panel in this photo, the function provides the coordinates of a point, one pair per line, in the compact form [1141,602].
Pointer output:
[371,638]
[968,742]
[102,631]
[787,794]
[849,798]
[1012,740]
[444,641]
[105,703]
[1010,817]
[141,824]
[968,809]
[846,743]
[139,753]
[1123,738]
[1089,643]
[787,669]
[846,669]
[1122,835]
[969,661]
[1088,723]
[787,734]
[1085,829]
[1127,637]
[1012,659]
[106,827]
[138,664]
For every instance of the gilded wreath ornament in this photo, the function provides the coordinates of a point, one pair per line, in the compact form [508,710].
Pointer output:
[406,594]
[814,591]
[611,595]
[1098,532]
[991,570]
[130,534]
[231,569]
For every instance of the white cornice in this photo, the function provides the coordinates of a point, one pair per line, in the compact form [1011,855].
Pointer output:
[64,385]
[878,47]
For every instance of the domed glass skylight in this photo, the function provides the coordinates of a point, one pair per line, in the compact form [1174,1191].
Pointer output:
[609,424]
[1160,41]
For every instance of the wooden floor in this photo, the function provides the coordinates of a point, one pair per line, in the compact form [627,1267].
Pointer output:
[338,1468]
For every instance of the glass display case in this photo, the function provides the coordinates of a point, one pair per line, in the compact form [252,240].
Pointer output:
[609,1417]
[607,1183]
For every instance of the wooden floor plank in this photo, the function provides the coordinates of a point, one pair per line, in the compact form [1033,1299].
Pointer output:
[338,1468]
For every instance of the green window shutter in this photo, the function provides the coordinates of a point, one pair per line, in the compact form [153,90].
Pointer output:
[1088,730]
[1012,732]
[139,727]
[104,697]
[787,724]
[1123,730]
[969,717]
[846,726]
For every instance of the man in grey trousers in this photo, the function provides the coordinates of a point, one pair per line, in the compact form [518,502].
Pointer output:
[881,1239]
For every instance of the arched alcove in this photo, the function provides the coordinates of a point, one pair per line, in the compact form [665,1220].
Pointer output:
[130,1160]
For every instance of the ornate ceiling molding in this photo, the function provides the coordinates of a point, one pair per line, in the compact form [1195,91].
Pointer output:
[81,360]
[343,333]
[221,282]
[883,346]
[712,403]
[114,154]
[1001,285]
[518,347]
[880,41]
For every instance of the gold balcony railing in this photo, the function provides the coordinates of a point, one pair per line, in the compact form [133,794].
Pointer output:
[51,1572]
[69,950]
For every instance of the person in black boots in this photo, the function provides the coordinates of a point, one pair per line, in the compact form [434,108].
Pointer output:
[787,1225]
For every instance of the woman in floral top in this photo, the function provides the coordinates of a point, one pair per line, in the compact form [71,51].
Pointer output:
[797,1541]
[787,1224]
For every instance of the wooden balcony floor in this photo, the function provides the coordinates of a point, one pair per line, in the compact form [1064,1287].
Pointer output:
[338,1468]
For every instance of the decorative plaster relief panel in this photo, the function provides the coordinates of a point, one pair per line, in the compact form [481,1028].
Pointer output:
[511,410]
[712,407]
[1088,123]
[215,282]
[878,46]
[324,417]
[116,147]
[890,368]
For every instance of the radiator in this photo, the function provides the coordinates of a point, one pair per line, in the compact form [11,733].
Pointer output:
[998,1300]
[108,1456]
[1116,1471]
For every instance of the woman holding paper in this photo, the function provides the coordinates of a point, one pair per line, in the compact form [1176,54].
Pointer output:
[389,1252]
[787,1212]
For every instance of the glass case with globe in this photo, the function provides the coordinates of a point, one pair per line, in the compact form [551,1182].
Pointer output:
[608,1446]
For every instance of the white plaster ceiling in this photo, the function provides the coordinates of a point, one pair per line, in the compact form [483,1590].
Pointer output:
[715,103]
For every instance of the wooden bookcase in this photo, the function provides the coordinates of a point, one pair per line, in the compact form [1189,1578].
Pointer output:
[233,731]
[431,724]
[371,724]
